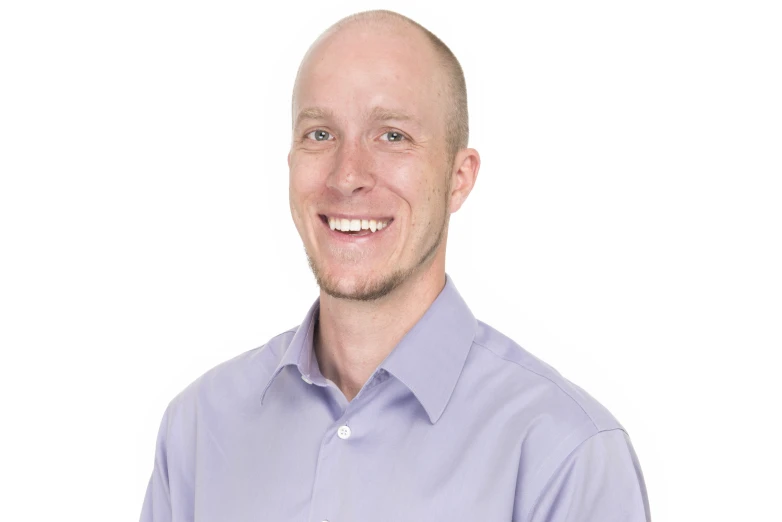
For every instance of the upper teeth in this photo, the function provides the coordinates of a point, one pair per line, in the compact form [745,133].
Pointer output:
[345,225]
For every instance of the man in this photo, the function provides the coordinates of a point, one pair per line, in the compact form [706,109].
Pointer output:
[390,402]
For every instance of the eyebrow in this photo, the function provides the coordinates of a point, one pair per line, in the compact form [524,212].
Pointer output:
[312,113]
[383,114]
[376,114]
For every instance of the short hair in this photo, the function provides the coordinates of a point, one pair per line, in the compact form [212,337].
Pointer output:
[457,129]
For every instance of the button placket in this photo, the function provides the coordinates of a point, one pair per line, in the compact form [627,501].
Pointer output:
[344,431]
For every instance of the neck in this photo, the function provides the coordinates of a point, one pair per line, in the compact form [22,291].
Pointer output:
[352,338]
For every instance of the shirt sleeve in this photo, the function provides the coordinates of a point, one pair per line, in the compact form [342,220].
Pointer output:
[157,500]
[600,481]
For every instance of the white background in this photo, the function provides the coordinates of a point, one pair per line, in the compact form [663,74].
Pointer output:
[625,227]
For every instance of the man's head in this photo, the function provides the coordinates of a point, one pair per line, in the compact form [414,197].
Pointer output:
[379,133]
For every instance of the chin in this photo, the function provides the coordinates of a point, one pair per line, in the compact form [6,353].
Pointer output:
[353,286]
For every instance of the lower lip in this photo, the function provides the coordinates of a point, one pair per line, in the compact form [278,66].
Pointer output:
[351,238]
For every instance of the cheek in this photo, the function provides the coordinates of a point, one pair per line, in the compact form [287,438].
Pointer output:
[305,177]
[301,187]
[424,196]
[409,179]
[427,191]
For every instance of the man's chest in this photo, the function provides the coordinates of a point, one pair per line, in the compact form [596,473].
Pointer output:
[379,465]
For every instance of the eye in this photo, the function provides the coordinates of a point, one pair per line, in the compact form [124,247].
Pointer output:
[319,135]
[394,136]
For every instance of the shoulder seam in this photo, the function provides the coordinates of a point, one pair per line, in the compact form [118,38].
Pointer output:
[545,377]
[283,333]
[270,341]
[264,347]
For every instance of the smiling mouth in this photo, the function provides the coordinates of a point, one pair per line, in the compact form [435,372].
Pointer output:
[355,227]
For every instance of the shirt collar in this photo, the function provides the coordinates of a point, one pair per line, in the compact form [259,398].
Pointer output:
[428,359]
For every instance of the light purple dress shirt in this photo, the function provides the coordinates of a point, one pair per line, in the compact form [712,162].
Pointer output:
[457,424]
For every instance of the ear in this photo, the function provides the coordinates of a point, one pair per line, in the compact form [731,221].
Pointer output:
[465,165]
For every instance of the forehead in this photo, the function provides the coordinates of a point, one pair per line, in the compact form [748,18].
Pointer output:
[351,72]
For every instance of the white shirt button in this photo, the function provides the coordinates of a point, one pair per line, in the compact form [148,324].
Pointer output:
[305,379]
[343,432]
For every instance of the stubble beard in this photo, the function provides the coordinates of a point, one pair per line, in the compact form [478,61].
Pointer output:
[373,289]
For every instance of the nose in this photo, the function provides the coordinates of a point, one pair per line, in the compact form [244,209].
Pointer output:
[352,172]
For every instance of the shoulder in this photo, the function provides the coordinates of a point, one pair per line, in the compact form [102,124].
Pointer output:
[550,416]
[524,373]
[233,384]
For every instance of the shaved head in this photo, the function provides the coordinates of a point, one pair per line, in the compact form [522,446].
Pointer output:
[379,144]
[456,124]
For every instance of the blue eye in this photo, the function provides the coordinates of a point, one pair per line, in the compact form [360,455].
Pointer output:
[319,135]
[394,136]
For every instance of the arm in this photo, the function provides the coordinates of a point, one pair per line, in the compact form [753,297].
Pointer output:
[157,501]
[599,481]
